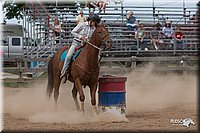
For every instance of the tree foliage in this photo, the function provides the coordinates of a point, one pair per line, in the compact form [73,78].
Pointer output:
[13,10]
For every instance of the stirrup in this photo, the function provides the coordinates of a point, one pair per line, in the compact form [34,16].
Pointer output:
[64,73]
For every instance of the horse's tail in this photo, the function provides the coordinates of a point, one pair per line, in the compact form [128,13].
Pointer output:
[50,85]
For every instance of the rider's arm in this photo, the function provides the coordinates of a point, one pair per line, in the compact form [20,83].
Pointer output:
[75,32]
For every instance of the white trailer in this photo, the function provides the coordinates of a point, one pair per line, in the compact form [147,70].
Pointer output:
[11,40]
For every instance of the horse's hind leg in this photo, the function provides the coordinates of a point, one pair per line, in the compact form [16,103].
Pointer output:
[74,94]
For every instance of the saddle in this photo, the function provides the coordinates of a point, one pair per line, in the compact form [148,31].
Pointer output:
[75,55]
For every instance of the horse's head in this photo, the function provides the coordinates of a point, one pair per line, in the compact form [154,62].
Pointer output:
[106,41]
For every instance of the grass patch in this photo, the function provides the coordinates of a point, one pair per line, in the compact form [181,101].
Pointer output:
[25,83]
[16,84]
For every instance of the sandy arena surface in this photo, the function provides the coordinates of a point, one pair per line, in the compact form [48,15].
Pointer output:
[153,102]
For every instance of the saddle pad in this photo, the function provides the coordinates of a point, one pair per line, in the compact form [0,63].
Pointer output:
[64,54]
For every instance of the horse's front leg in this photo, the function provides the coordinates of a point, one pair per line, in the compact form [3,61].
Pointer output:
[93,89]
[74,94]
[78,86]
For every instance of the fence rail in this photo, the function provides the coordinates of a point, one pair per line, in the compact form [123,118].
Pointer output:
[133,59]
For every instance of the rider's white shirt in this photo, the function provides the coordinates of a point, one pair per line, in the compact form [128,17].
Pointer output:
[83,29]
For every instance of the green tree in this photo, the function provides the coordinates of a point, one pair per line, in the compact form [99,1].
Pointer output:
[13,10]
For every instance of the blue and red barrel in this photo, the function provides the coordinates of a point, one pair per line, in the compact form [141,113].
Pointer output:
[112,92]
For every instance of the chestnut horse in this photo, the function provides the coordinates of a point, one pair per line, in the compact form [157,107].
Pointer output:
[83,71]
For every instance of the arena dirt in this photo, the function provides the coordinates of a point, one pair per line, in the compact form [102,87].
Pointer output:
[150,99]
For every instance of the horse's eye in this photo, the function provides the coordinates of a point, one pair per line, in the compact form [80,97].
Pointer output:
[99,32]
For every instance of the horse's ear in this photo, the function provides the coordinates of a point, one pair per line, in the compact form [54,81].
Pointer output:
[101,23]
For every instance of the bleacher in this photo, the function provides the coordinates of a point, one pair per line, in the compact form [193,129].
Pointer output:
[38,17]
[115,20]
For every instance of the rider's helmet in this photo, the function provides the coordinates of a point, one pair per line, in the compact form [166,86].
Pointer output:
[95,17]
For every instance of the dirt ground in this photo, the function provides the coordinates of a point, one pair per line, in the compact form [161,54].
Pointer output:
[153,102]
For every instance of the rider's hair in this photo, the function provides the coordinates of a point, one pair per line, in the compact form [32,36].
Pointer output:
[95,18]
[96,24]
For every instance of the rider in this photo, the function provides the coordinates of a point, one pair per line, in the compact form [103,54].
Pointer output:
[82,32]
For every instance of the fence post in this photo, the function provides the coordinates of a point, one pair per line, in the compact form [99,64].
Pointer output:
[174,47]
[19,63]
[184,62]
[133,62]
[138,46]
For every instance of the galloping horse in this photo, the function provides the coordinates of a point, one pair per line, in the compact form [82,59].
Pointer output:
[84,70]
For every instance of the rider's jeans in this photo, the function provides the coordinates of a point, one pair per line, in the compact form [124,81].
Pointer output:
[69,56]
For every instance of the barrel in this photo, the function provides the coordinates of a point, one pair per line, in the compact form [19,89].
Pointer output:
[112,91]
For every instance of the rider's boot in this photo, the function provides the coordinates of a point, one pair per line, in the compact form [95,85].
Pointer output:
[66,76]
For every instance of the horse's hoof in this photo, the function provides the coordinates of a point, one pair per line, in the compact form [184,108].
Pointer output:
[82,113]
[95,113]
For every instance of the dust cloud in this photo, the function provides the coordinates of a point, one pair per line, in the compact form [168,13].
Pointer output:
[147,91]
[144,91]
[32,103]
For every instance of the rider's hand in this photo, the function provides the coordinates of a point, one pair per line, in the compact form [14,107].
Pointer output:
[83,38]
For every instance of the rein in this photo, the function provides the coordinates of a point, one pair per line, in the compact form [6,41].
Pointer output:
[89,44]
